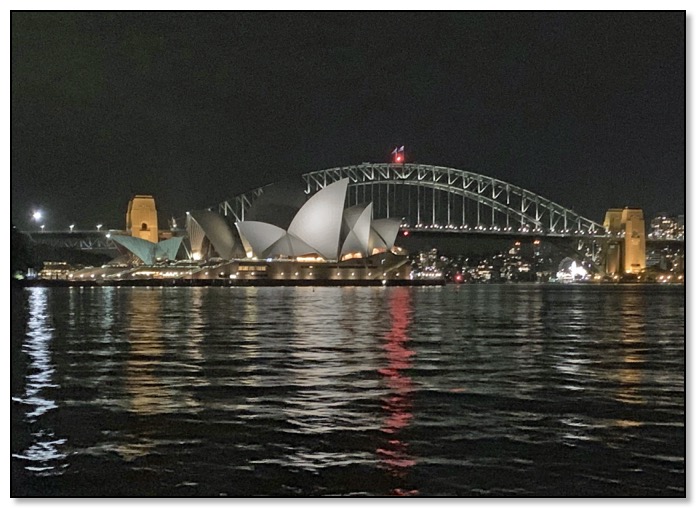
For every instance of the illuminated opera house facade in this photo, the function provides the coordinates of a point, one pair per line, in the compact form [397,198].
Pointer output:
[305,242]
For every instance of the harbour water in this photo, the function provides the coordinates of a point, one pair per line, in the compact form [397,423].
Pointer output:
[471,390]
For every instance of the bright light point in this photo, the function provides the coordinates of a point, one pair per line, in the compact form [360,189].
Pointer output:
[42,227]
[572,272]
[37,215]
[99,226]
[196,256]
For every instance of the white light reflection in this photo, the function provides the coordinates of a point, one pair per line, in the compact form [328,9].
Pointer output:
[196,326]
[322,370]
[147,393]
[159,370]
[43,454]
[632,341]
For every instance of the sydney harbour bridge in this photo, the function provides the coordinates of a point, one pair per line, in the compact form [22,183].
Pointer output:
[428,197]
[431,201]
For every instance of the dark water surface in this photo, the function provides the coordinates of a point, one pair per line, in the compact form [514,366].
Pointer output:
[490,390]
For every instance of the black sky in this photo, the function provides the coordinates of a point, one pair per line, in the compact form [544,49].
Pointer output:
[586,109]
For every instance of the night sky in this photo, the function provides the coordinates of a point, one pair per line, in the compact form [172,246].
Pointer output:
[586,109]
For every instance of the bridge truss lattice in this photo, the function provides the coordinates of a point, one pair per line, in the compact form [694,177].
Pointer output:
[425,196]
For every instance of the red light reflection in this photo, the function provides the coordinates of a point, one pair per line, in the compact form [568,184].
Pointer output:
[394,454]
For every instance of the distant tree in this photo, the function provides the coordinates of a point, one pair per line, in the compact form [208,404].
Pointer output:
[21,256]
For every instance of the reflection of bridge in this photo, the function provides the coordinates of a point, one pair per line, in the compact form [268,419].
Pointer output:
[444,199]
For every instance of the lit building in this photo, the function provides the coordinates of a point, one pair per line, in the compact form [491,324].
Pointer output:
[322,241]
[634,240]
[667,227]
[55,270]
[570,271]
[625,249]
[141,218]
[144,244]
[323,230]
[613,247]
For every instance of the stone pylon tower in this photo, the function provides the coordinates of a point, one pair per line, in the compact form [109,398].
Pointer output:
[141,218]
[625,248]
[634,240]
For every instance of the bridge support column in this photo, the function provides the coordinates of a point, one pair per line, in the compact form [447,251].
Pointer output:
[625,249]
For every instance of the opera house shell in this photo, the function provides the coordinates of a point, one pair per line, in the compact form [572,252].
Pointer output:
[209,235]
[322,228]
[289,240]
[149,252]
[295,235]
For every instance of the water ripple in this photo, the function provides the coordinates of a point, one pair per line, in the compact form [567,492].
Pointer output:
[524,390]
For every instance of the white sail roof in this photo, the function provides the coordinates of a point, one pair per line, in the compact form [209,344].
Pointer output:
[386,229]
[357,219]
[167,249]
[322,226]
[196,234]
[318,222]
[143,249]
[148,251]
[259,235]
[289,246]
[217,231]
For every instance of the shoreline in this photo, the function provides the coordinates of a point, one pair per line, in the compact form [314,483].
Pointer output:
[293,283]
[225,283]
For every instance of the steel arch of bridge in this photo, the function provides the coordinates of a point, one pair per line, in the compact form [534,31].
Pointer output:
[425,196]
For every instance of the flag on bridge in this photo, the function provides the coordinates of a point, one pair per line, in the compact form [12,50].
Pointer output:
[398,154]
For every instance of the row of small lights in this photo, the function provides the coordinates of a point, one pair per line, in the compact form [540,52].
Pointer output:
[296,274]
[232,276]
[523,229]
[38,215]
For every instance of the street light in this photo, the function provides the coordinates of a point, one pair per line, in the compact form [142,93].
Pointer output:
[36,216]
[42,227]
[72,226]
[99,226]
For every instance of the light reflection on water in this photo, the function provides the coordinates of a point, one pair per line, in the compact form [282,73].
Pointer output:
[398,403]
[44,456]
[463,390]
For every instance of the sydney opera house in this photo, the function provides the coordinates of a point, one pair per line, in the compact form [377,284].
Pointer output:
[286,240]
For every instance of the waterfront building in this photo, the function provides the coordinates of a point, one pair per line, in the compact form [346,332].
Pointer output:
[324,241]
[55,270]
[667,227]
[322,230]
